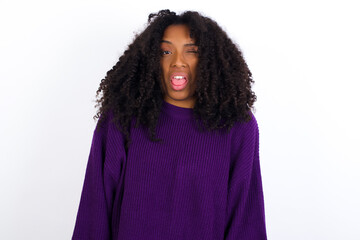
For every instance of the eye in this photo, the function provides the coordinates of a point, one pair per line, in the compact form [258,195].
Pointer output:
[165,52]
[192,51]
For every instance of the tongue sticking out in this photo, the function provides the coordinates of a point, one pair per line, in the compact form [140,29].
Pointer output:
[178,82]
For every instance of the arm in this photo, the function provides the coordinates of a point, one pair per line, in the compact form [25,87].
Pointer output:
[102,175]
[245,218]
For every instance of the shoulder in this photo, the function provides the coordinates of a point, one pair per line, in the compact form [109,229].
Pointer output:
[242,131]
[108,128]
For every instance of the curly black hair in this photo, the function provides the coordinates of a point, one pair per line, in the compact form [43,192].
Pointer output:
[132,88]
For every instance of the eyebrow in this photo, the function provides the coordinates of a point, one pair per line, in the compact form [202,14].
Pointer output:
[187,44]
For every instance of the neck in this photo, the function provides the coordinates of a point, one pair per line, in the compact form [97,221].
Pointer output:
[189,103]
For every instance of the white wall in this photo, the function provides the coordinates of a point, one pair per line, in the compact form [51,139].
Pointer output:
[304,56]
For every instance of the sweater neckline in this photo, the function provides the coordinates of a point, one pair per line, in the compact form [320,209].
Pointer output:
[177,112]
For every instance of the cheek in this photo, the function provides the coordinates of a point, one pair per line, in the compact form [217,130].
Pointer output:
[164,69]
[194,67]
[164,73]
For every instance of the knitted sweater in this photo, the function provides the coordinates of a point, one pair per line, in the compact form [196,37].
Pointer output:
[193,185]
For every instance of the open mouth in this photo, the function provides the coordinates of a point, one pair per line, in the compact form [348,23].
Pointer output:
[178,81]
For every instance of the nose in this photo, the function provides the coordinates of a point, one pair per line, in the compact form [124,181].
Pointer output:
[178,61]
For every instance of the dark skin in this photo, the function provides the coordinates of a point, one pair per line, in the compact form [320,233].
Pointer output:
[179,60]
[218,86]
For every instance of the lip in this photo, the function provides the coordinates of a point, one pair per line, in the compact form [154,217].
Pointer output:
[178,87]
[183,74]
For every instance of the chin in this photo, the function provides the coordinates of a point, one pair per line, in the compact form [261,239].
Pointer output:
[180,96]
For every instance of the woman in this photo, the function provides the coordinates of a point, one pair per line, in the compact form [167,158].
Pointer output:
[175,154]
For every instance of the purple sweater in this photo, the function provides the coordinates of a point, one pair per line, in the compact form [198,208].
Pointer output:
[193,185]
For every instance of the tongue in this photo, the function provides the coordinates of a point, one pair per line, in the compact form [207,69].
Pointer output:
[178,82]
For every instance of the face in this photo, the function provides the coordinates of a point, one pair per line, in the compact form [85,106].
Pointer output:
[178,62]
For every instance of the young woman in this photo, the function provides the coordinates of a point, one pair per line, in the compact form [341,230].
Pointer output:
[175,154]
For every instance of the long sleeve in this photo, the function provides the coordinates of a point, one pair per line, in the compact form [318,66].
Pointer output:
[245,217]
[102,177]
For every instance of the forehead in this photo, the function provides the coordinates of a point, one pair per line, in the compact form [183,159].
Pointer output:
[179,32]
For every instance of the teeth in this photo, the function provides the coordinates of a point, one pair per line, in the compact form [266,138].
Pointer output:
[178,77]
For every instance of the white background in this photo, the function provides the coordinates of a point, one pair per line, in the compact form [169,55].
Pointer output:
[304,56]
